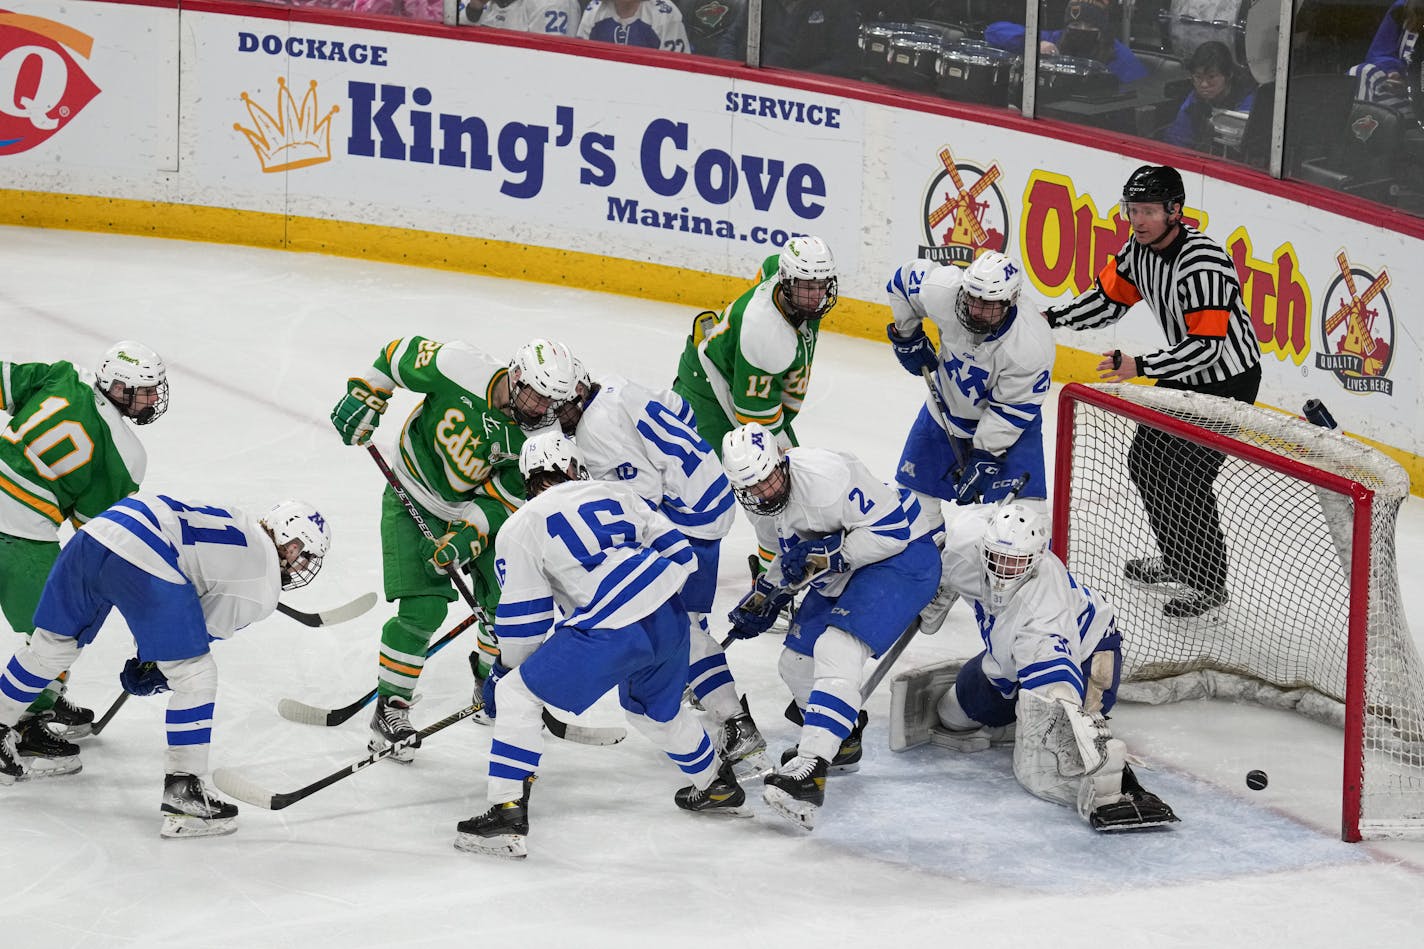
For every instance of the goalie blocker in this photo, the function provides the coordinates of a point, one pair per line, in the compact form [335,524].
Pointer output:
[1061,752]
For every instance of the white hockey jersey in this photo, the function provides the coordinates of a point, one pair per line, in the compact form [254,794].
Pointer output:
[646,439]
[223,553]
[1051,625]
[993,386]
[833,491]
[594,549]
[655,24]
[558,17]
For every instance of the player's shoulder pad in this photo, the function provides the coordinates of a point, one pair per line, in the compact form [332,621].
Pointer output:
[767,340]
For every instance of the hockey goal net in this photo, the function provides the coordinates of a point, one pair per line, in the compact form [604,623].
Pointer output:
[1312,618]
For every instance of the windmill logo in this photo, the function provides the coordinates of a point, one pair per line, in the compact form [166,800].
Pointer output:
[42,86]
[965,213]
[293,136]
[1358,324]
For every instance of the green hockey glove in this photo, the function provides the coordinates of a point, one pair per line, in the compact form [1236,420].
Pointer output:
[359,411]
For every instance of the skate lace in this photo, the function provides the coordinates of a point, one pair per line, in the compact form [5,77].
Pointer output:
[800,768]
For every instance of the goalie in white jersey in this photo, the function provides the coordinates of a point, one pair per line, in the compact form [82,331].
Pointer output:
[1046,678]
[649,441]
[990,378]
[870,565]
[612,567]
[182,575]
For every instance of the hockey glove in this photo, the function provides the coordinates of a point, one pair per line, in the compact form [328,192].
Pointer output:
[977,476]
[142,678]
[758,609]
[359,411]
[498,671]
[810,557]
[463,543]
[914,351]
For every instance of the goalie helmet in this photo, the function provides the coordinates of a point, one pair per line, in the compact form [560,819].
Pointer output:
[542,379]
[1155,184]
[988,290]
[806,279]
[141,376]
[549,459]
[759,472]
[1015,541]
[298,521]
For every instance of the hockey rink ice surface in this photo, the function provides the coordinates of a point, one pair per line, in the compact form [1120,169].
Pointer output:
[918,849]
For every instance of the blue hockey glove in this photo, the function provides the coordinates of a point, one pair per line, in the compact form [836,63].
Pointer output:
[359,411]
[142,678]
[498,671]
[914,351]
[810,557]
[977,475]
[758,609]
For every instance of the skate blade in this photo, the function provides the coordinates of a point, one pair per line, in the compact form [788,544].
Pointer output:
[755,765]
[800,813]
[405,756]
[850,768]
[71,732]
[1164,823]
[52,767]
[509,846]
[741,810]
[187,825]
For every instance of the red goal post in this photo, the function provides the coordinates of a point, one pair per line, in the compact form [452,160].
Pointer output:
[1313,621]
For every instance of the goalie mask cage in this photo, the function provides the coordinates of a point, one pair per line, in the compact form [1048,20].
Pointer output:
[1313,621]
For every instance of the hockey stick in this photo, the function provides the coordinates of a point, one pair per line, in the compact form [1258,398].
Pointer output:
[103,721]
[337,614]
[577,733]
[233,784]
[888,660]
[793,589]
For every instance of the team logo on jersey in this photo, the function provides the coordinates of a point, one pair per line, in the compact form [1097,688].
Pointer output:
[297,136]
[626,471]
[1357,323]
[964,212]
[42,86]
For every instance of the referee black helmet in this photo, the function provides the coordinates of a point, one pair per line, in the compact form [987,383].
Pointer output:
[1155,183]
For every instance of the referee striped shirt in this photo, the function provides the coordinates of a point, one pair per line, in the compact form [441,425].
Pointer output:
[1192,289]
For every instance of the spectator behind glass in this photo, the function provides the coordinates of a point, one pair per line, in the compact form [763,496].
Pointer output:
[652,24]
[820,36]
[1384,75]
[1217,83]
[1086,34]
[709,21]
[559,17]
[430,10]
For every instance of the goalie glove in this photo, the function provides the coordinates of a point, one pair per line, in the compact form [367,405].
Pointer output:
[142,678]
[810,557]
[359,411]
[976,476]
[758,609]
[915,351]
[462,544]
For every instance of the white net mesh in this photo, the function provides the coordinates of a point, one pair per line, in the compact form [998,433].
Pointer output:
[1249,597]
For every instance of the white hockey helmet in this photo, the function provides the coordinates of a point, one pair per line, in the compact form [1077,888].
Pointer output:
[571,412]
[989,288]
[140,372]
[806,278]
[548,459]
[1015,540]
[296,520]
[542,378]
[757,469]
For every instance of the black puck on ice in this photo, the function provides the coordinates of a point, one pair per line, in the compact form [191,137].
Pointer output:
[1256,780]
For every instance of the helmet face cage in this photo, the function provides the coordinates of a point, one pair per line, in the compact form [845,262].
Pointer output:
[542,380]
[1154,184]
[806,278]
[547,460]
[299,521]
[988,290]
[1014,542]
[760,475]
[570,413]
[136,368]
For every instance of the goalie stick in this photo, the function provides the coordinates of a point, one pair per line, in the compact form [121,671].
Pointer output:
[331,617]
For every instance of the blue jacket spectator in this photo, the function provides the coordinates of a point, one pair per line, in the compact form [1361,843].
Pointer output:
[820,36]
[1382,76]
[1217,83]
[1085,34]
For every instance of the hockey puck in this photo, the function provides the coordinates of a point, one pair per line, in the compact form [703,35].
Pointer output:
[1256,780]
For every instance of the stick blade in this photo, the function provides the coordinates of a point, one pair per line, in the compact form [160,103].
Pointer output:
[583,734]
[231,782]
[302,713]
[341,614]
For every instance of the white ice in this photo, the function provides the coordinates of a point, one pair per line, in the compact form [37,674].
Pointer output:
[923,848]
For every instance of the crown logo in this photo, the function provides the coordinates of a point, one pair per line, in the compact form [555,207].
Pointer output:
[295,137]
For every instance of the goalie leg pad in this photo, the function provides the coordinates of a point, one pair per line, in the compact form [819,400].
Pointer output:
[1048,756]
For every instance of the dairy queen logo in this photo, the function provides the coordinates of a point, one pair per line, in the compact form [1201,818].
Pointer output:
[964,212]
[1358,324]
[42,86]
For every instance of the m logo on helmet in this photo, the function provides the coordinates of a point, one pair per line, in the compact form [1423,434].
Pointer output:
[1009,271]
[758,440]
[316,518]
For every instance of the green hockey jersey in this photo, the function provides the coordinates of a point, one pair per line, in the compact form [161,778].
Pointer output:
[456,447]
[66,453]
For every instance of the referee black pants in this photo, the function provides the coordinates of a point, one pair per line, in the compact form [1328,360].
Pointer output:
[1174,478]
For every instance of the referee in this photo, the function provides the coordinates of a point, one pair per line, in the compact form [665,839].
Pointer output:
[1189,282]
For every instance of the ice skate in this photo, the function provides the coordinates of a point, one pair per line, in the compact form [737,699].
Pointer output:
[797,790]
[12,769]
[68,720]
[1140,809]
[724,797]
[847,759]
[391,723]
[44,753]
[743,746]
[499,831]
[190,809]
